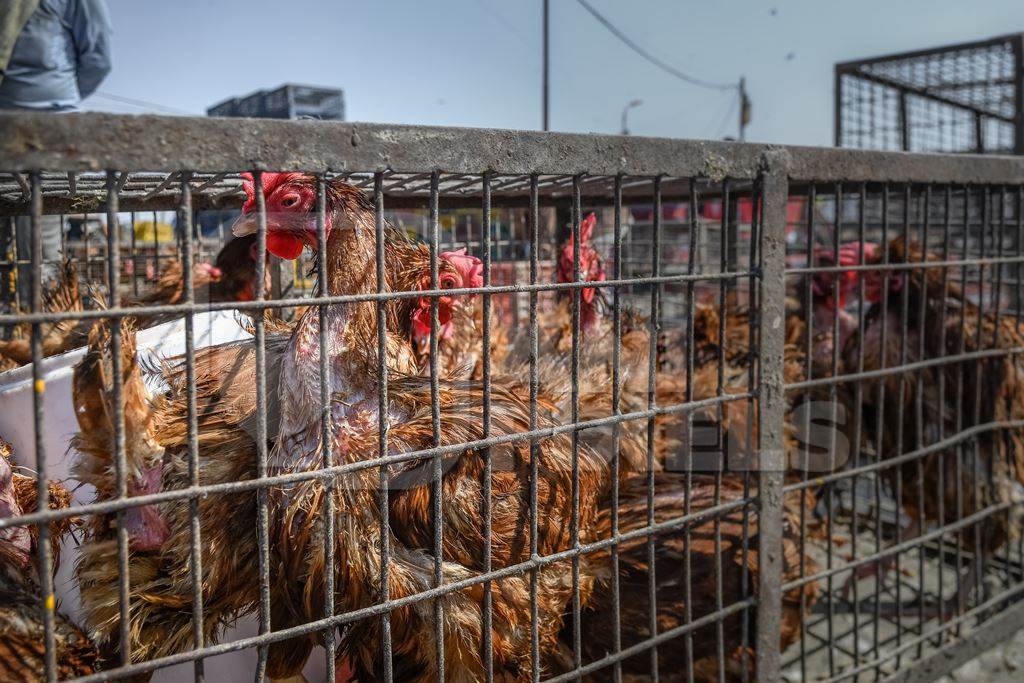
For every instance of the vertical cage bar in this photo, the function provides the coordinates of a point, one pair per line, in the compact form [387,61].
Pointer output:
[616,398]
[922,312]
[940,489]
[120,457]
[754,267]
[879,422]
[384,425]
[8,268]
[772,406]
[998,235]
[900,395]
[196,554]
[808,304]
[486,452]
[326,427]
[688,445]
[652,402]
[1018,238]
[534,220]
[833,399]
[156,248]
[574,523]
[726,263]
[974,442]
[435,407]
[959,418]
[135,255]
[262,520]
[85,246]
[39,385]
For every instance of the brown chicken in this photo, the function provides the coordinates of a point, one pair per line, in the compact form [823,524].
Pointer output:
[22,653]
[226,428]
[460,335]
[942,322]
[594,376]
[296,526]
[595,349]
[63,295]
[159,536]
[721,358]
[25,491]
[232,277]
[671,493]
[688,552]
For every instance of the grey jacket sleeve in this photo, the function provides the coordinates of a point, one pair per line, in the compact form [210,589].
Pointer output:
[91,29]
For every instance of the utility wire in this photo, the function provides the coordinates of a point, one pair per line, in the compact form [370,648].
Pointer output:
[500,18]
[651,58]
[142,103]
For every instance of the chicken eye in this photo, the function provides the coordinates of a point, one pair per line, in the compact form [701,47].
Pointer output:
[290,200]
[447,282]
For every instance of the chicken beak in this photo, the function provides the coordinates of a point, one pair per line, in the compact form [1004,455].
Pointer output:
[246,224]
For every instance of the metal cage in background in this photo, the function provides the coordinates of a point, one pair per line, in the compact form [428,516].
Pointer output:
[955,98]
[739,361]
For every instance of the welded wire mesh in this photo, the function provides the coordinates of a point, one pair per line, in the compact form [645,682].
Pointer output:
[682,276]
[681,418]
[960,98]
[924,512]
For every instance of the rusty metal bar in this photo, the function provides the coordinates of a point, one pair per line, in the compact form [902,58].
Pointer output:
[262,492]
[771,395]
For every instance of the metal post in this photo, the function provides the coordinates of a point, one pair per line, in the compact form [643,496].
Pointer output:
[547,66]
[625,111]
[772,398]
[744,109]
[730,233]
[44,556]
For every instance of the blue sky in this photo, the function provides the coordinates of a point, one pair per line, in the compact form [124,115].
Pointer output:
[478,62]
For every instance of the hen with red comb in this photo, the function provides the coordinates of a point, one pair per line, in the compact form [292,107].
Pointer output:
[289,200]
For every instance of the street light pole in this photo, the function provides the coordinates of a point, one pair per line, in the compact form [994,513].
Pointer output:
[744,109]
[546,96]
[625,111]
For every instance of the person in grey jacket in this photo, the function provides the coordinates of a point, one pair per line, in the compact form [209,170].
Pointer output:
[60,57]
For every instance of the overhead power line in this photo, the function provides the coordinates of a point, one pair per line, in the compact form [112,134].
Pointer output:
[668,68]
[144,104]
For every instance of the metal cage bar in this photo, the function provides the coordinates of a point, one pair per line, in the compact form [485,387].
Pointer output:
[772,456]
[679,184]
